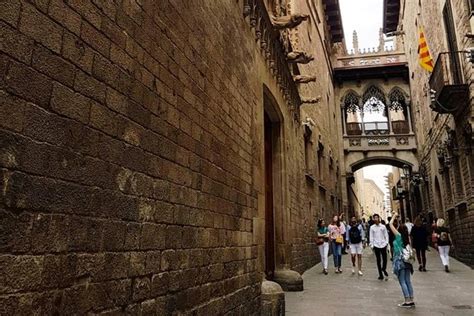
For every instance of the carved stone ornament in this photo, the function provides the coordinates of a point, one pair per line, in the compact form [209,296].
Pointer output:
[304,79]
[299,57]
[311,100]
[288,21]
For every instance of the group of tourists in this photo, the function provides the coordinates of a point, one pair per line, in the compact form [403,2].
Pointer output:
[404,239]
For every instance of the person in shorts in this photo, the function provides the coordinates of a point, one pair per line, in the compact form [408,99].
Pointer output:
[355,237]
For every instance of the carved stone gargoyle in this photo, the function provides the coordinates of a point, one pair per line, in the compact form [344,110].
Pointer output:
[304,79]
[288,21]
[311,100]
[299,57]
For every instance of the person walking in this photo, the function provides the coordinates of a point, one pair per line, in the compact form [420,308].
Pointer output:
[391,236]
[409,225]
[344,244]
[444,242]
[419,239]
[323,243]
[378,242]
[402,267]
[355,237]
[365,225]
[336,233]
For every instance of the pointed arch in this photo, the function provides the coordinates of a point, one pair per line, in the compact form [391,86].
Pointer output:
[351,101]
[397,99]
[373,91]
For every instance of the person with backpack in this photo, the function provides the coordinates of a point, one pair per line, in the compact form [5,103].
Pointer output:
[444,242]
[403,259]
[378,242]
[336,235]
[355,237]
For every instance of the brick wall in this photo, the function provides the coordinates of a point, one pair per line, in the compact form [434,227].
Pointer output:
[126,169]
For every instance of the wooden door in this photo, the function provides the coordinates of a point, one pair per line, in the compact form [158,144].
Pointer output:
[269,217]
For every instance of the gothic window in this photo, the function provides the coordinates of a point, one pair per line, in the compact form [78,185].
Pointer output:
[374,111]
[351,103]
[373,100]
[397,100]
[397,106]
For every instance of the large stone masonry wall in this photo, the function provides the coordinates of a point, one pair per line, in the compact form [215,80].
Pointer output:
[315,199]
[431,126]
[126,158]
[132,159]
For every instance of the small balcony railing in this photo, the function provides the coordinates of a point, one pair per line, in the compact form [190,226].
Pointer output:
[377,128]
[447,83]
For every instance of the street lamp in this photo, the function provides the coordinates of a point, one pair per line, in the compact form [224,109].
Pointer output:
[406,173]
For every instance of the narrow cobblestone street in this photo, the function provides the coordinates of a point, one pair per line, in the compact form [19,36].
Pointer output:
[436,292]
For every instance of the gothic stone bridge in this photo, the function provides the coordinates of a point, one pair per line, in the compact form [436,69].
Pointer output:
[374,93]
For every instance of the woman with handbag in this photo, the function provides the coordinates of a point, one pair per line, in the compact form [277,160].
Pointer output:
[336,233]
[403,259]
[322,241]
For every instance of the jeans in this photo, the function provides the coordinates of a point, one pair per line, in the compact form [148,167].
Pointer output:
[444,254]
[323,251]
[405,282]
[381,253]
[337,254]
[421,256]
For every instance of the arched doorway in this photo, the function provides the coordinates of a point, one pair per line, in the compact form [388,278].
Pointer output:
[275,227]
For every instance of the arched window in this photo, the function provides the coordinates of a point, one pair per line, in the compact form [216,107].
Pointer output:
[374,111]
[352,112]
[398,111]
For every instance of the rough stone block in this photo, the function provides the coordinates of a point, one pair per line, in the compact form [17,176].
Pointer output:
[15,44]
[49,34]
[77,51]
[53,66]
[26,82]
[66,102]
[289,280]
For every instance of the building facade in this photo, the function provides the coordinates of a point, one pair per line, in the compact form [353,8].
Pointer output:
[443,112]
[159,157]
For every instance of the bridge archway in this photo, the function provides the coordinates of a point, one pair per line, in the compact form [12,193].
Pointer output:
[358,160]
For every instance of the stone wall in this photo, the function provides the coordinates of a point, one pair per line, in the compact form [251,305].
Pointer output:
[444,191]
[132,160]
[319,180]
[126,153]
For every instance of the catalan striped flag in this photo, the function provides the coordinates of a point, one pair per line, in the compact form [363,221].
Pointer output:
[424,53]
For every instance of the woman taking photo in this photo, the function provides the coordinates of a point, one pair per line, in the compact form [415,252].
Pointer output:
[419,237]
[336,233]
[323,243]
[402,267]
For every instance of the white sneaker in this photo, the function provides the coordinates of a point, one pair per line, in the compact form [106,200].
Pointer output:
[360,273]
[353,271]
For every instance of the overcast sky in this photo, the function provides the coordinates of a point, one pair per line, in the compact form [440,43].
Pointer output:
[365,17]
